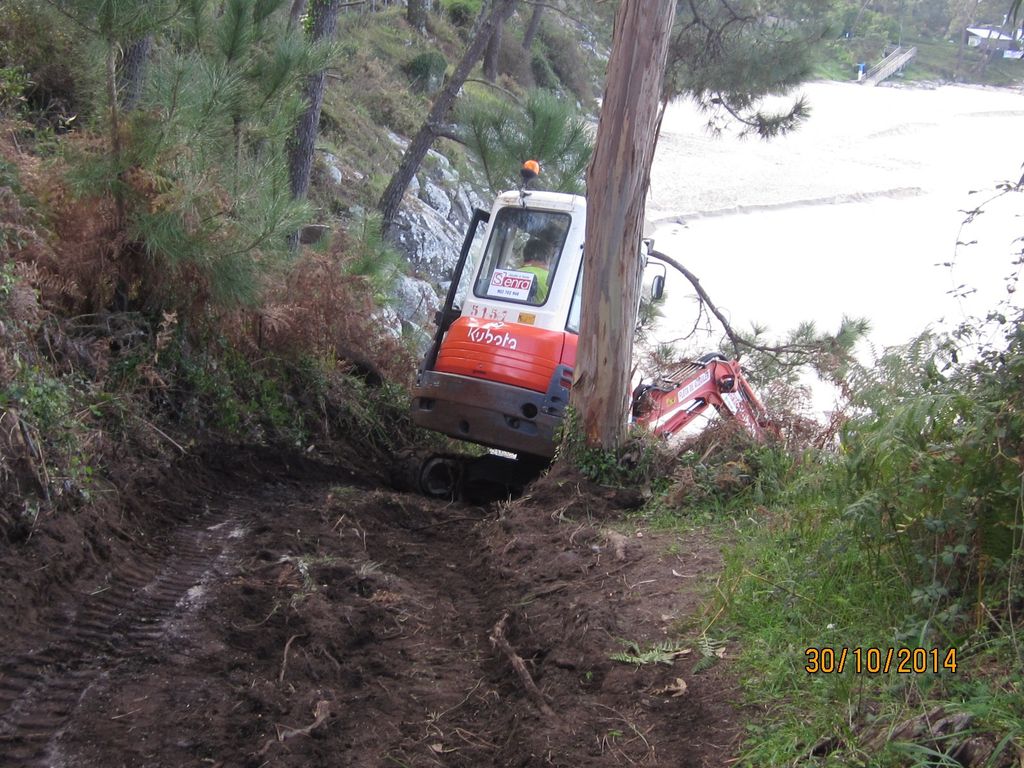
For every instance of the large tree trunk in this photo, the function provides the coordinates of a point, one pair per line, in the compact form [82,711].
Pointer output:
[416,13]
[617,182]
[300,159]
[532,27]
[417,150]
[493,52]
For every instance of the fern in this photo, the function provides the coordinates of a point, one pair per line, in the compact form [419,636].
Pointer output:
[704,663]
[710,652]
[662,653]
[931,470]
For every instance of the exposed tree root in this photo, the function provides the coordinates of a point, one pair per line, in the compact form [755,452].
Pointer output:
[320,715]
[284,659]
[500,642]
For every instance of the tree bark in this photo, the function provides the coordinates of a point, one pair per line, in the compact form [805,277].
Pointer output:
[298,8]
[617,182]
[532,27]
[416,13]
[114,118]
[493,52]
[300,156]
[417,150]
[132,72]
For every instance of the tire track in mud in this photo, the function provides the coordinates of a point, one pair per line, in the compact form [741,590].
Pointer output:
[430,689]
[141,604]
[435,553]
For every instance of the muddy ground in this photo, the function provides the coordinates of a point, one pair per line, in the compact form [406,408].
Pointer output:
[246,609]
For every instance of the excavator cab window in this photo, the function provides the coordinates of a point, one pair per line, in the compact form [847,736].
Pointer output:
[573,323]
[522,255]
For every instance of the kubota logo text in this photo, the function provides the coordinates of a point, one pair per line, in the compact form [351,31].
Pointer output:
[486,336]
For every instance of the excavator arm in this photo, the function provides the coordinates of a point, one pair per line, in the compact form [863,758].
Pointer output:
[667,404]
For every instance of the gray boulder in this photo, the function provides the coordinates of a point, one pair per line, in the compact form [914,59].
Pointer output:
[429,242]
[436,198]
[416,301]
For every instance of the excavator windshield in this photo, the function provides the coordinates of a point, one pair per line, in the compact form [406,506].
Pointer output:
[522,255]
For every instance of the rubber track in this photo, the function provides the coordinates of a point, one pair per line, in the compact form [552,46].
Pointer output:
[138,607]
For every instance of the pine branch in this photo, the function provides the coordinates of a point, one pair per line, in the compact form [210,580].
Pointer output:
[451,132]
[72,18]
[556,9]
[738,341]
[766,126]
[496,87]
[144,10]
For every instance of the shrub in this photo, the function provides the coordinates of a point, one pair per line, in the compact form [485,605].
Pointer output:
[36,52]
[640,462]
[426,71]
[13,83]
[563,53]
[325,307]
[543,74]
[462,12]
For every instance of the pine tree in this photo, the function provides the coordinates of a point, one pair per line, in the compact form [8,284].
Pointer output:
[416,13]
[323,21]
[132,71]
[493,51]
[117,25]
[295,15]
[544,128]
[199,169]
[532,26]
[391,199]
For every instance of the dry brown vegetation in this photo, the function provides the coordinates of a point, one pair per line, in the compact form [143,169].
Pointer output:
[94,373]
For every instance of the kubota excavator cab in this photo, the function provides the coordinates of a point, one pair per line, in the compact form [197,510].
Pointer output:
[499,369]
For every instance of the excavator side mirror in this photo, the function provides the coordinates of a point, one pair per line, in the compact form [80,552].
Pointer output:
[653,279]
[657,287]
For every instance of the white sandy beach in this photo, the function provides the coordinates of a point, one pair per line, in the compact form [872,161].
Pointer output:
[847,215]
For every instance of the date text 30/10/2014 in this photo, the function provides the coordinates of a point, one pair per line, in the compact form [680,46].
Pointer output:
[903,661]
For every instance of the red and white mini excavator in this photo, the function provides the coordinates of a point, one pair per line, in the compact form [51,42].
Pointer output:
[500,367]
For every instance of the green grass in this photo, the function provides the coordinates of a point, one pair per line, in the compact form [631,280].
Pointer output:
[802,578]
[937,60]
[807,568]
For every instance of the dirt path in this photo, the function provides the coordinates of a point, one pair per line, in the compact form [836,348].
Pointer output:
[287,617]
